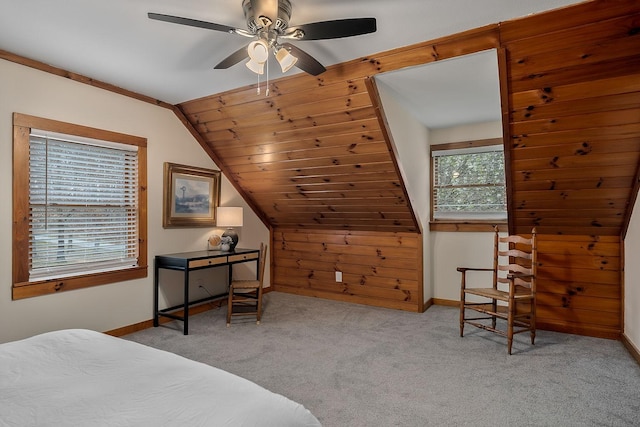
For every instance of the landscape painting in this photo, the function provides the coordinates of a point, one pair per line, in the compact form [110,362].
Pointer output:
[191,195]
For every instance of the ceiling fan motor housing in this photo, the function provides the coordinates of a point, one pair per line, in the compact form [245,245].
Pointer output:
[255,23]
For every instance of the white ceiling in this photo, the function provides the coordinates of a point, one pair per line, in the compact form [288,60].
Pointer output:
[452,92]
[114,41]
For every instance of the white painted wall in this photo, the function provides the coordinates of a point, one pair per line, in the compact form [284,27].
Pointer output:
[632,279]
[411,138]
[443,251]
[106,307]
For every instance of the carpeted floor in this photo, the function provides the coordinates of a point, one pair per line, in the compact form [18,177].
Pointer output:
[353,365]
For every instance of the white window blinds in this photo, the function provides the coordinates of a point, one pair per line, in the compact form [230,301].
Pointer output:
[469,183]
[83,206]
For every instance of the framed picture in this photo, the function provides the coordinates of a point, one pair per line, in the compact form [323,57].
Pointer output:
[191,196]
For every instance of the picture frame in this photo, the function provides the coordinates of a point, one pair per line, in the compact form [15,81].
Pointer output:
[191,195]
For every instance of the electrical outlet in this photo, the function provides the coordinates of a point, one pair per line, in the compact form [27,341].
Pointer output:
[338,276]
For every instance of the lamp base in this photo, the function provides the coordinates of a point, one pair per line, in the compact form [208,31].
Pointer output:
[230,232]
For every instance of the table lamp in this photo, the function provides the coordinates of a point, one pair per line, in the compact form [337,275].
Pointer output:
[229,217]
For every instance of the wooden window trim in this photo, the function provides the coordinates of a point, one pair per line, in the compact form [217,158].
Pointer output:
[22,287]
[462,225]
[467,226]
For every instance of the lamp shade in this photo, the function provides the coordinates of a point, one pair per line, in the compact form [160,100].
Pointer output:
[285,59]
[255,67]
[229,217]
[258,51]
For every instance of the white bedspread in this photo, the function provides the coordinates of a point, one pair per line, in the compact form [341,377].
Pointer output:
[85,378]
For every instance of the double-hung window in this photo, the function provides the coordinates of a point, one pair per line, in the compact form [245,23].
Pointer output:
[82,202]
[468,182]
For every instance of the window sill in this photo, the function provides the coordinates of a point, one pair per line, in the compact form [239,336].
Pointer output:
[467,225]
[33,289]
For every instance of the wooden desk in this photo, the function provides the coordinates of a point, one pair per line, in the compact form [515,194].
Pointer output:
[190,261]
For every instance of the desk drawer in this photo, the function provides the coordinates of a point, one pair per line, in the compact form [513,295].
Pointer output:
[207,261]
[243,257]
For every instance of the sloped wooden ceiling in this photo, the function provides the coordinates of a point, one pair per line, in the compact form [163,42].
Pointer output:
[313,155]
[309,155]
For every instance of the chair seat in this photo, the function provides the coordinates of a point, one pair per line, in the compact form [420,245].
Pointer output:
[248,285]
[521,292]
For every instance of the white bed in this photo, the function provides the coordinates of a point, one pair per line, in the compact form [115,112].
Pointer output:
[84,378]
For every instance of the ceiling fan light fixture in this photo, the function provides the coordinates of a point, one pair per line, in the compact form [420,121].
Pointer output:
[258,51]
[285,59]
[256,67]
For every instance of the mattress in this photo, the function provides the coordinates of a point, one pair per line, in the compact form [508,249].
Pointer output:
[79,377]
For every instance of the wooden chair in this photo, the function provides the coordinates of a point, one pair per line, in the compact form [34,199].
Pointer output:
[513,285]
[245,294]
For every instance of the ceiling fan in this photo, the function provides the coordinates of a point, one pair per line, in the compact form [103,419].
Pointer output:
[268,24]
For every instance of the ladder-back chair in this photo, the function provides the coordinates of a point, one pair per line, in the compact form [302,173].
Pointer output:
[512,296]
[245,294]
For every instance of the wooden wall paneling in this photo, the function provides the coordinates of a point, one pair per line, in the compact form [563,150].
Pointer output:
[382,269]
[315,156]
[573,16]
[579,284]
[592,148]
[576,74]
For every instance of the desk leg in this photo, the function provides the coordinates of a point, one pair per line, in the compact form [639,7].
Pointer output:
[186,301]
[155,292]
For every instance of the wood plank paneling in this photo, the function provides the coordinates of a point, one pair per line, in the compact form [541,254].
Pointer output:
[382,269]
[316,161]
[579,284]
[574,114]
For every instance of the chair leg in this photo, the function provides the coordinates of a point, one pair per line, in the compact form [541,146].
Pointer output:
[510,317]
[462,315]
[462,302]
[229,306]
[259,306]
[532,321]
[494,308]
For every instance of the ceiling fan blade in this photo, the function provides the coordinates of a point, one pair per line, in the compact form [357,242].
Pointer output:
[233,59]
[334,29]
[306,62]
[191,22]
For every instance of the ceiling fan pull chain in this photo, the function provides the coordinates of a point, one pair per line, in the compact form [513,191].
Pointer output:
[266,91]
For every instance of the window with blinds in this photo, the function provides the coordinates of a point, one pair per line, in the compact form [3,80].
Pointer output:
[469,183]
[83,206]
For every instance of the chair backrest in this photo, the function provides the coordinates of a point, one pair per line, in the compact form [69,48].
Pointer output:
[515,254]
[262,261]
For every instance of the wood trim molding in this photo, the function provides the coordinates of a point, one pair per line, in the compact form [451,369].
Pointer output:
[466,144]
[467,226]
[505,102]
[633,350]
[80,78]
[446,302]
